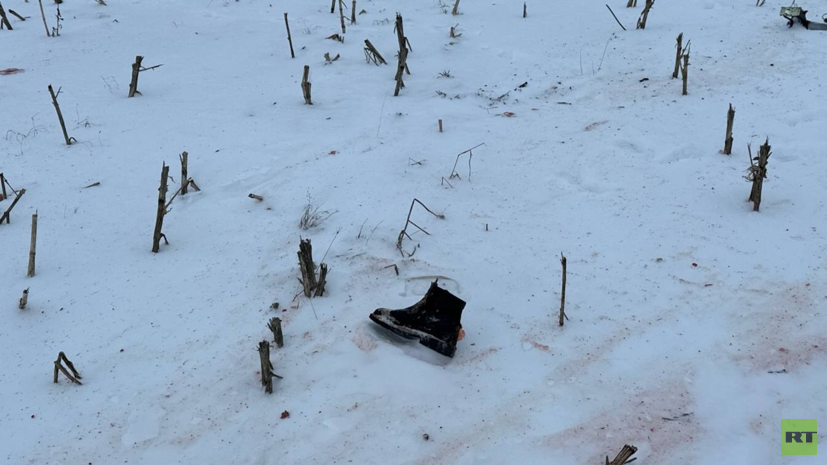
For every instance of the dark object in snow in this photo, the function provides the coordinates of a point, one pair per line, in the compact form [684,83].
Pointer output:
[796,12]
[434,320]
[623,456]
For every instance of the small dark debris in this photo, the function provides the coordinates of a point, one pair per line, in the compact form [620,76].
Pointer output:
[644,80]
[424,436]
[285,414]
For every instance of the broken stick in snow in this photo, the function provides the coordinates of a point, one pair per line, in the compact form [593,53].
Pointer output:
[3,195]
[402,65]
[289,37]
[32,245]
[137,68]
[730,121]
[757,173]
[623,456]
[306,86]
[456,8]
[644,15]
[7,214]
[678,56]
[342,15]
[256,197]
[322,280]
[3,19]
[74,377]
[308,269]
[24,299]
[371,54]
[159,216]
[43,14]
[266,367]
[563,315]
[404,231]
[184,179]
[275,327]
[525,10]
[353,13]
[440,125]
[54,95]
[685,69]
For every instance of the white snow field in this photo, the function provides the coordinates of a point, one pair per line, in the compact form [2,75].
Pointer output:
[683,301]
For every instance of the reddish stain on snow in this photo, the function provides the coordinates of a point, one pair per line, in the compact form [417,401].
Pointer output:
[9,71]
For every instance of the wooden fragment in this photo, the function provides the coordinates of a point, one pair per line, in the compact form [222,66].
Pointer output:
[289,37]
[4,21]
[184,179]
[308,269]
[730,121]
[322,280]
[159,216]
[136,70]
[623,456]
[32,246]
[306,86]
[563,294]
[678,56]
[24,299]
[7,214]
[256,197]
[60,115]
[275,327]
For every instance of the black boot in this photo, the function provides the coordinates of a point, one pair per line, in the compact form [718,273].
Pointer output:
[434,320]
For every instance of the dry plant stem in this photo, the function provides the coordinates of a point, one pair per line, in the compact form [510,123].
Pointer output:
[3,20]
[456,8]
[306,86]
[7,214]
[353,13]
[332,6]
[3,195]
[266,367]
[24,299]
[408,221]
[342,15]
[623,456]
[275,327]
[615,17]
[758,173]
[678,56]
[159,216]
[17,15]
[60,115]
[184,178]
[32,246]
[685,73]
[730,121]
[470,153]
[308,269]
[440,125]
[563,315]
[631,3]
[644,15]
[256,197]
[322,280]
[371,54]
[525,10]
[136,70]
[289,37]
[74,377]
[43,14]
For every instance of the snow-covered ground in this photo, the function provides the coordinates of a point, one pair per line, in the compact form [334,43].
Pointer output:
[681,299]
